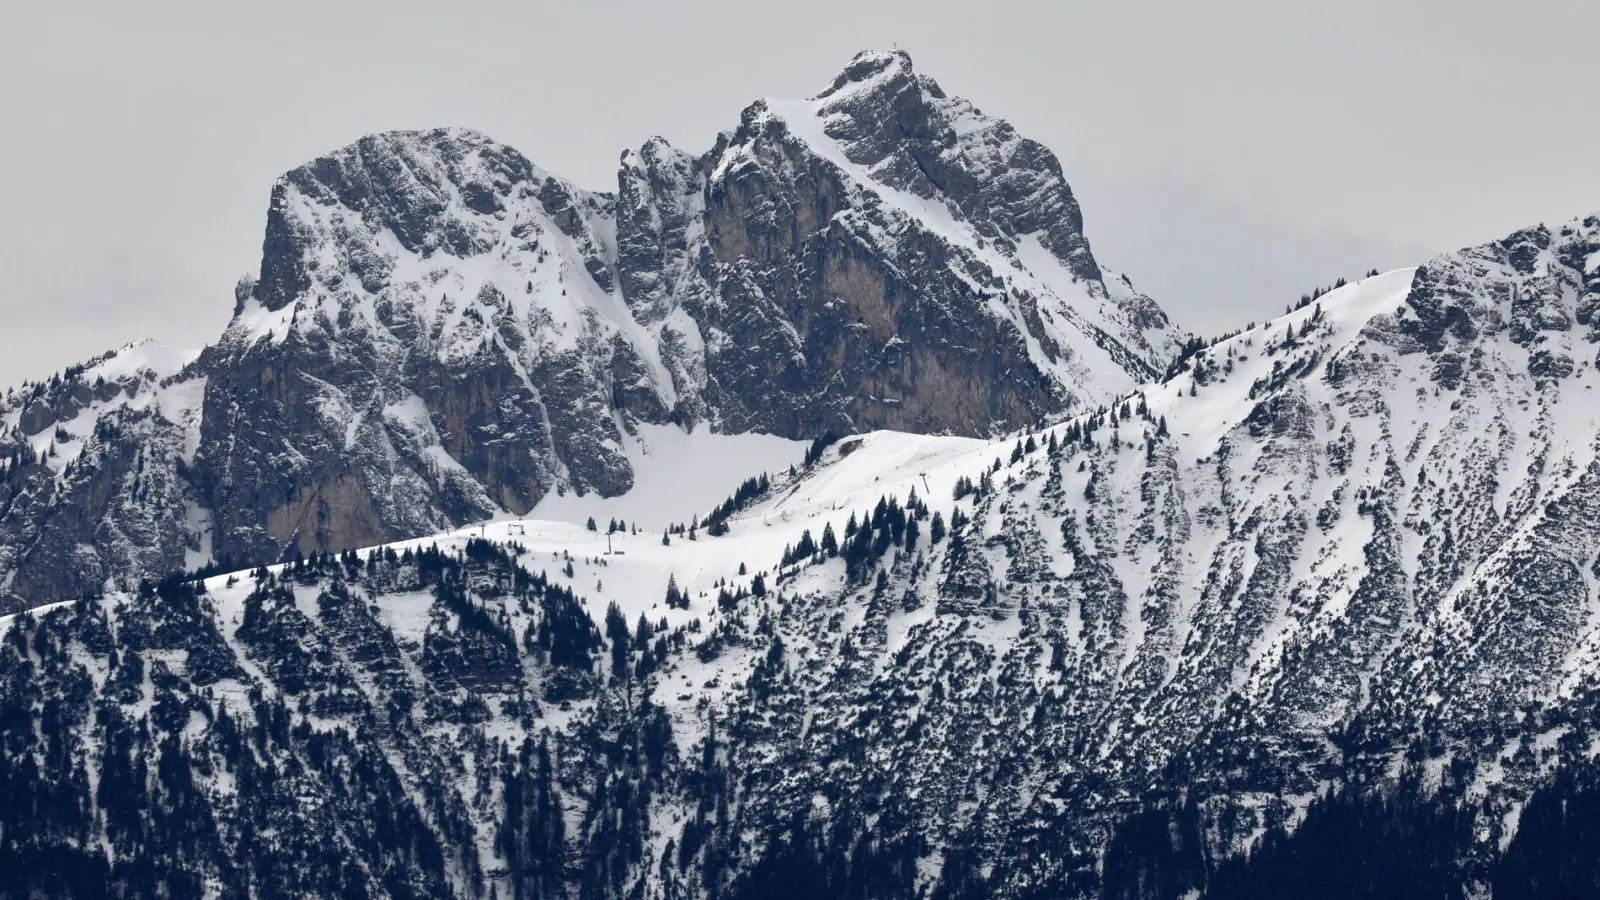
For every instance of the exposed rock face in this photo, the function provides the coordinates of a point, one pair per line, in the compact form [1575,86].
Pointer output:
[433,339]
[881,256]
[95,480]
[441,331]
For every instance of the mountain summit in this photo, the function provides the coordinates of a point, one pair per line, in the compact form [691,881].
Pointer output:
[442,332]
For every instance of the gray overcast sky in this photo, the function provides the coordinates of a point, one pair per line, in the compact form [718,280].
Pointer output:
[1227,155]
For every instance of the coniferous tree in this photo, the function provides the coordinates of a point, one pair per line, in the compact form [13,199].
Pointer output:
[1553,851]
[533,838]
[617,633]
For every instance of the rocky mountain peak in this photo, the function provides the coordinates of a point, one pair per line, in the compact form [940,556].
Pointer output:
[914,137]
[872,68]
[881,92]
[450,191]
[882,97]
[1538,286]
[442,332]
[936,186]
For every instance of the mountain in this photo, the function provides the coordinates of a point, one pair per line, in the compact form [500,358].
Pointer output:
[95,478]
[441,332]
[1326,594]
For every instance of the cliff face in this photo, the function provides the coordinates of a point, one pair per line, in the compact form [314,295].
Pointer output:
[881,256]
[435,337]
[441,331]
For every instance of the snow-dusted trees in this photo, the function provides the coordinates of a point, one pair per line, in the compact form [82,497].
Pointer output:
[676,599]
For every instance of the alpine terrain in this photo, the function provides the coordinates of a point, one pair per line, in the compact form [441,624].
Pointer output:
[442,332]
[989,581]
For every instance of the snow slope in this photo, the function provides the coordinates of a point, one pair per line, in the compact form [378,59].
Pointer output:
[1326,529]
[1357,535]
[676,475]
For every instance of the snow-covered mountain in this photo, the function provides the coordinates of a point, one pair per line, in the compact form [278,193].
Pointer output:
[93,482]
[1348,547]
[441,332]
